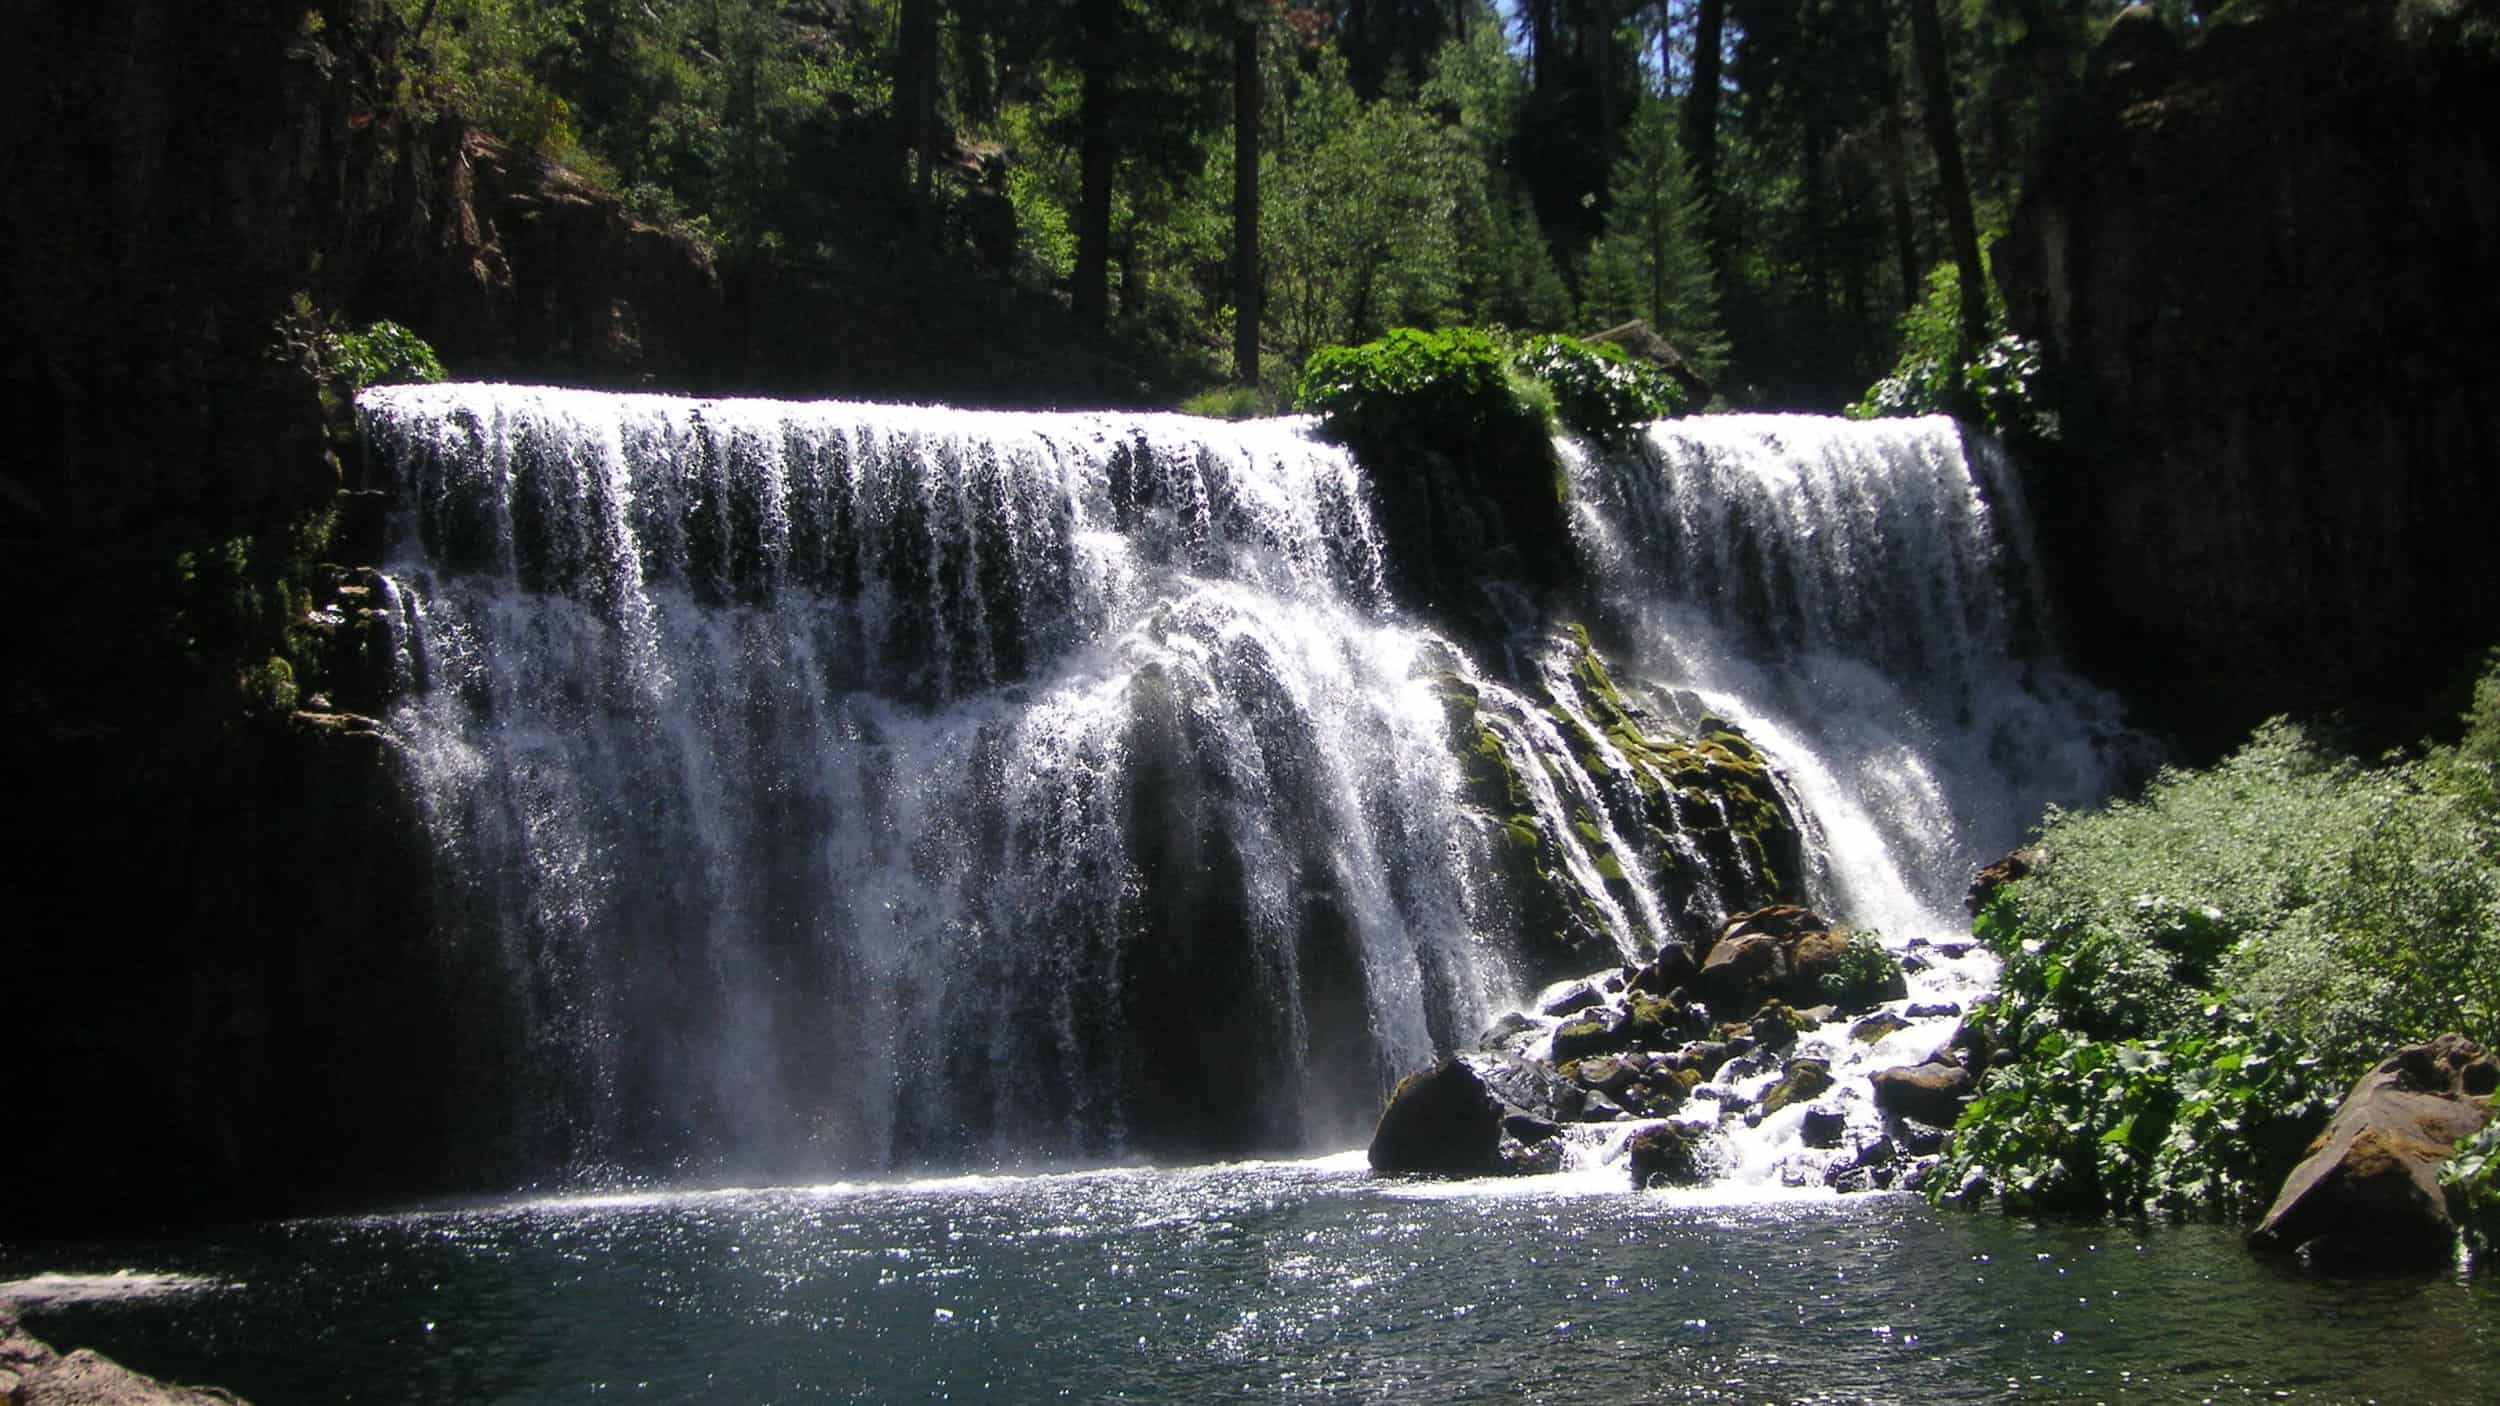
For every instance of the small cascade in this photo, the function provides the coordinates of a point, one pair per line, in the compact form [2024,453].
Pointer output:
[1860,600]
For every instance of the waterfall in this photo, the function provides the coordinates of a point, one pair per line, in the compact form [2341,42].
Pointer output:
[851,786]
[1863,598]
[825,788]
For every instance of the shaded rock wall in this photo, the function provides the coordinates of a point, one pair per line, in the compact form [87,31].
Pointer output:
[217,908]
[2270,263]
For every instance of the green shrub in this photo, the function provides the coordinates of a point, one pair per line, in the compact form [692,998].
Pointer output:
[1866,972]
[2472,1173]
[1599,389]
[384,354]
[2190,976]
[1410,384]
[2001,385]
[1229,403]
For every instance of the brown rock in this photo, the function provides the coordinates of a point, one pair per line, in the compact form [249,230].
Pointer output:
[2369,1190]
[1927,1093]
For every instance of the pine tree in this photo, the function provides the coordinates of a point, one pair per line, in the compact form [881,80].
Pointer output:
[1653,260]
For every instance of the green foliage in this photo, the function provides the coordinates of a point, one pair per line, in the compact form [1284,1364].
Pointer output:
[2209,1118]
[383,354]
[1229,403]
[1410,383]
[1865,965]
[1653,261]
[1360,217]
[483,59]
[2002,385]
[2472,1175]
[1599,390]
[2191,975]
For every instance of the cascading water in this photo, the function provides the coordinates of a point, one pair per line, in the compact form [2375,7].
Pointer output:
[826,787]
[1860,599]
[833,787]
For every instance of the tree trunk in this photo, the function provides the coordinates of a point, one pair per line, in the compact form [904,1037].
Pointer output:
[1701,106]
[1897,179]
[1091,290]
[1936,87]
[1246,285]
[915,91]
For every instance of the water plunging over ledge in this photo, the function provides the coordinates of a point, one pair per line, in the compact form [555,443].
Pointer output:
[824,789]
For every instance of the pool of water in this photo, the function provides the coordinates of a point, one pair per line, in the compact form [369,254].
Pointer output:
[1253,1282]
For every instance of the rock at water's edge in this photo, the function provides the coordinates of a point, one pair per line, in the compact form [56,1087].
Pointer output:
[1926,1093]
[2369,1191]
[1442,1122]
[32,1374]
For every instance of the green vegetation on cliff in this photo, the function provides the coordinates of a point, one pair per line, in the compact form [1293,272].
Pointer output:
[2193,977]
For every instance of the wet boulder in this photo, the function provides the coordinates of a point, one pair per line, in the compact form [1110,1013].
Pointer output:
[1800,1081]
[1601,1032]
[2020,864]
[1824,1127]
[1667,1155]
[1931,1093]
[1792,954]
[1441,1122]
[2369,1190]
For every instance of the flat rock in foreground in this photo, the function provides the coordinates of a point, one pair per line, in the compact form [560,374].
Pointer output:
[32,1374]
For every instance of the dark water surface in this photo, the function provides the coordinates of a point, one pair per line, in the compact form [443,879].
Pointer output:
[1258,1282]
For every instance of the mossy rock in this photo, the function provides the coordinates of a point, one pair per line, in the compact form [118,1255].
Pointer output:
[1584,1038]
[1802,1081]
[1667,1156]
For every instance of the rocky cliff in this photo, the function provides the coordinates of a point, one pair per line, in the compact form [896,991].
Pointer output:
[219,901]
[2269,262]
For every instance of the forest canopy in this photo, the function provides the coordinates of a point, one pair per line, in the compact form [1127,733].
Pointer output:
[1215,189]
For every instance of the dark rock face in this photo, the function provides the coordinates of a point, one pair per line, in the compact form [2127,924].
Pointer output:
[2369,1191]
[2271,265]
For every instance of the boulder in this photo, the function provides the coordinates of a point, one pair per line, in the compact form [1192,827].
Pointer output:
[1877,1026]
[2369,1190]
[1984,885]
[1824,1127]
[1441,1122]
[1786,953]
[1668,1155]
[1670,971]
[1602,1033]
[1801,1080]
[1931,1093]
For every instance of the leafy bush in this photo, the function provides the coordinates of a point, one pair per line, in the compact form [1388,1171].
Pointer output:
[1599,389]
[2472,1173]
[1866,972]
[2002,384]
[384,354]
[1440,383]
[1430,385]
[2191,975]
[2211,1118]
